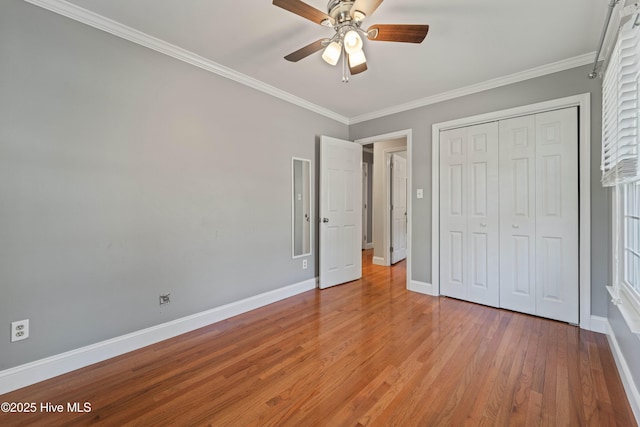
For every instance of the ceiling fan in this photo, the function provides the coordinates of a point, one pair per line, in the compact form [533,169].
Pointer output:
[345,17]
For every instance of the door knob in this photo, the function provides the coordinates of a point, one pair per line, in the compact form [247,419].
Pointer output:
[325,219]
[515,226]
[482,224]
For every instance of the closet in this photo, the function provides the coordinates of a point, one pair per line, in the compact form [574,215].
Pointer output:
[509,214]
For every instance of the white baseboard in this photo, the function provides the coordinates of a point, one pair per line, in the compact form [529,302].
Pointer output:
[378,260]
[422,287]
[368,245]
[598,324]
[40,370]
[633,394]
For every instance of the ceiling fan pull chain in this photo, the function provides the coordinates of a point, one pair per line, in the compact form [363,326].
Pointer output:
[345,74]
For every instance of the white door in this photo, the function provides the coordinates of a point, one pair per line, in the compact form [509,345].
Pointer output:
[539,205]
[517,214]
[509,214]
[398,208]
[557,213]
[453,213]
[469,214]
[340,211]
[365,194]
[482,214]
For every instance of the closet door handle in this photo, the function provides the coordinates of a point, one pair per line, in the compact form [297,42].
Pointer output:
[515,226]
[482,224]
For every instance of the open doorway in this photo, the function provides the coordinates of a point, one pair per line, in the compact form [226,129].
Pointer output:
[339,226]
[381,151]
[387,217]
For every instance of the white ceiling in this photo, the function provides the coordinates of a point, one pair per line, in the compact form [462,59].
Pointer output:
[469,42]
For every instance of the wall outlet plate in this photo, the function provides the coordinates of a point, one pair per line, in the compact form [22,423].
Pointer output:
[19,330]
[304,264]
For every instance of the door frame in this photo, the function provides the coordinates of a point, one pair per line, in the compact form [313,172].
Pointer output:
[407,134]
[583,102]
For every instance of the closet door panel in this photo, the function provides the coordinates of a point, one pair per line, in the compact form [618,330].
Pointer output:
[517,214]
[453,213]
[557,207]
[482,219]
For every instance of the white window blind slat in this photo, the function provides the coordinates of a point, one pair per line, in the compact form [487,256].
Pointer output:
[620,110]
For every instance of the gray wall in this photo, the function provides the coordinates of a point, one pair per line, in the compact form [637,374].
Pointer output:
[125,174]
[420,120]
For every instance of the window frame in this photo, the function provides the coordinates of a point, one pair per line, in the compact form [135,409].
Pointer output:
[628,299]
[626,217]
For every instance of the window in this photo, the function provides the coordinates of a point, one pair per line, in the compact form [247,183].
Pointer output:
[621,167]
[631,232]
[625,289]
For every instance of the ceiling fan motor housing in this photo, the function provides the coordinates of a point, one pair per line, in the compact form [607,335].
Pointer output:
[339,10]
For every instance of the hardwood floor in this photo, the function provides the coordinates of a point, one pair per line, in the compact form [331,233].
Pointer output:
[364,353]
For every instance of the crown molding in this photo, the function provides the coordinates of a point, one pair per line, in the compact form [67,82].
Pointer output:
[543,70]
[100,22]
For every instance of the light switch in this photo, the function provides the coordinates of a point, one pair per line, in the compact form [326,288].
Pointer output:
[419,193]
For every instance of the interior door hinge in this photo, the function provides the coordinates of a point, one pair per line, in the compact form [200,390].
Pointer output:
[391,248]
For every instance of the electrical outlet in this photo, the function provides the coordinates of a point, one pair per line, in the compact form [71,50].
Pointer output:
[165,299]
[19,330]
[304,264]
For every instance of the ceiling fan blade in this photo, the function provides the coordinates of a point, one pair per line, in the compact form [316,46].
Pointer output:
[398,33]
[365,6]
[358,69]
[307,50]
[302,9]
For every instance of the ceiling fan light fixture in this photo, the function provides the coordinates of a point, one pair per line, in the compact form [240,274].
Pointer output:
[332,53]
[352,42]
[358,16]
[357,58]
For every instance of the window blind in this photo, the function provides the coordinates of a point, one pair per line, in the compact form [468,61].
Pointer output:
[620,142]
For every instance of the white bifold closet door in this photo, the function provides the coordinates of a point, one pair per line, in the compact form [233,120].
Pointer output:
[539,213]
[509,214]
[469,237]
